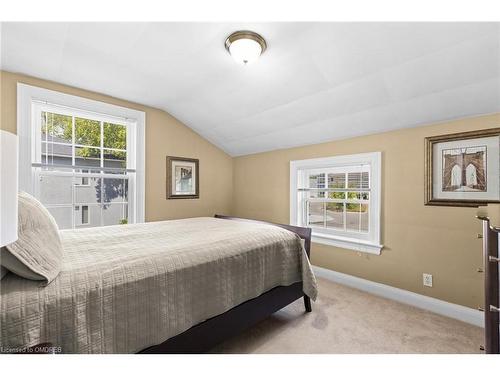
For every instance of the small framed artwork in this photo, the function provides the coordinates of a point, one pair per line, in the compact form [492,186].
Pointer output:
[463,169]
[182,178]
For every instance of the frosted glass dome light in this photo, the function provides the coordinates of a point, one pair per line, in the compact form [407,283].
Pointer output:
[245,50]
[245,46]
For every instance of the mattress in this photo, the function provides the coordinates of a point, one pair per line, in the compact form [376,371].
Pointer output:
[125,288]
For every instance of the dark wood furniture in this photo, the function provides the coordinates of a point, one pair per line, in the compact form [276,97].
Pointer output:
[204,336]
[491,287]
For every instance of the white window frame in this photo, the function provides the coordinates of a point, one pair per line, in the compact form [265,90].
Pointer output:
[369,243]
[28,99]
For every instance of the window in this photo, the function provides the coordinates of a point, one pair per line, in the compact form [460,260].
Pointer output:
[84,160]
[85,215]
[84,219]
[83,181]
[339,198]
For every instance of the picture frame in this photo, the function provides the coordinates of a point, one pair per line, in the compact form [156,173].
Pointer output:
[463,169]
[182,178]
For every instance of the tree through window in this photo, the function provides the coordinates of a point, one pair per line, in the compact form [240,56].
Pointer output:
[83,178]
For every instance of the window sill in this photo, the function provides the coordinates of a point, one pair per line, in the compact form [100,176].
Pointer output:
[347,243]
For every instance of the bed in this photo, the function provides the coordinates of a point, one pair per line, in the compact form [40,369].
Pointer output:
[178,286]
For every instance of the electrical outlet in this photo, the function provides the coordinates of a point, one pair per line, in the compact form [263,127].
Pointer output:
[427,278]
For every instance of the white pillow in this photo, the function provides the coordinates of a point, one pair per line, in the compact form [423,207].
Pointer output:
[37,254]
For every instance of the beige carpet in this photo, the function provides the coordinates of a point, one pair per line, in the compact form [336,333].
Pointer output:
[346,320]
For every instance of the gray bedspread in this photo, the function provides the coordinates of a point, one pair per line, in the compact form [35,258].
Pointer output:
[125,288]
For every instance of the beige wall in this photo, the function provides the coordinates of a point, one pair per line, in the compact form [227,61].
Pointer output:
[165,135]
[437,240]
[418,238]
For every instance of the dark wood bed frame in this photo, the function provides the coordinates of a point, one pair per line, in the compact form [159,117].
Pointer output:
[204,336]
[491,266]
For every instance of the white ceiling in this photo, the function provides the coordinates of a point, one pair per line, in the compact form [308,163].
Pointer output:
[316,82]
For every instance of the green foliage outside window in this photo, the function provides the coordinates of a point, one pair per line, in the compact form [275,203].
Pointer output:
[59,128]
[87,133]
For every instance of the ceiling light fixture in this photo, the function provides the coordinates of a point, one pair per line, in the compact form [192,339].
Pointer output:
[245,46]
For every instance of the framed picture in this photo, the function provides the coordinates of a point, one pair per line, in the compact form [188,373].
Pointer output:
[182,178]
[463,169]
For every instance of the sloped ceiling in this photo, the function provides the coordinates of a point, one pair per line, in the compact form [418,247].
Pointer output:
[316,82]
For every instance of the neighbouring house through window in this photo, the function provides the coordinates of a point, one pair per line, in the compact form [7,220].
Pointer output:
[339,198]
[82,215]
[85,215]
[83,181]
[84,160]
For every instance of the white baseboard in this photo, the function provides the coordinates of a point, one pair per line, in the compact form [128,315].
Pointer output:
[435,305]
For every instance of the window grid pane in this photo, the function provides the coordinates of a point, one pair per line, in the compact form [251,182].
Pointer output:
[115,136]
[316,214]
[87,132]
[77,200]
[339,206]
[335,215]
[317,181]
[336,180]
[56,127]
